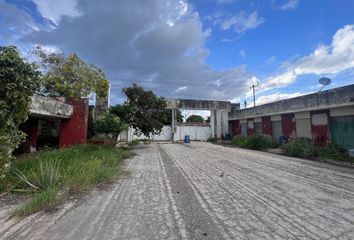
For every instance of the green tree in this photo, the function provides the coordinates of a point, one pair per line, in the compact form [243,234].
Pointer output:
[168,117]
[70,76]
[109,124]
[124,112]
[18,82]
[144,111]
[195,119]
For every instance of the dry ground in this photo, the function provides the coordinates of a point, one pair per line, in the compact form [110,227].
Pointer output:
[205,191]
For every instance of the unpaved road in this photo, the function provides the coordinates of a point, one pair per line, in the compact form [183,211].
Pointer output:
[204,191]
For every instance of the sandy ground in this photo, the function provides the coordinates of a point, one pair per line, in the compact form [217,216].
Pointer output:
[205,191]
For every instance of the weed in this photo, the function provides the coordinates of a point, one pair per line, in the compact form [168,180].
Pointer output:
[46,200]
[77,169]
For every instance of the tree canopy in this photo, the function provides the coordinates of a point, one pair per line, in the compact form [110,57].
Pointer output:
[143,110]
[168,117]
[109,124]
[70,76]
[195,119]
[18,82]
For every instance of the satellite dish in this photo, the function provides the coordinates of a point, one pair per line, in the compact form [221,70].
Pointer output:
[324,81]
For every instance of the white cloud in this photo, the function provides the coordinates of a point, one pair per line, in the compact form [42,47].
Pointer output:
[228,40]
[291,4]
[181,89]
[331,59]
[271,60]
[243,53]
[54,10]
[242,22]
[132,42]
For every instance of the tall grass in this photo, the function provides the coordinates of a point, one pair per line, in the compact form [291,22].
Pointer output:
[50,175]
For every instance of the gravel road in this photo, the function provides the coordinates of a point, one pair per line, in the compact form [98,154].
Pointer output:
[205,191]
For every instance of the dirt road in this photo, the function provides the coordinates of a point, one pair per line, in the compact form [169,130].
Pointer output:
[205,191]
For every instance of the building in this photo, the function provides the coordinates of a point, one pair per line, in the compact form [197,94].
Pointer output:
[56,123]
[326,116]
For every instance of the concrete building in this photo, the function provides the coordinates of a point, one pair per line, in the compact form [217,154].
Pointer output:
[219,111]
[326,116]
[55,122]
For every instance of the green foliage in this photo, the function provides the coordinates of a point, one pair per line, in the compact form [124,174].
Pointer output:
[213,140]
[168,117]
[18,82]
[239,140]
[70,76]
[301,147]
[195,119]
[144,111]
[46,200]
[335,152]
[255,142]
[133,143]
[125,112]
[47,174]
[109,124]
[71,170]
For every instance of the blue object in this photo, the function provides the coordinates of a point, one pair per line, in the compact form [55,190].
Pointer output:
[187,139]
[228,136]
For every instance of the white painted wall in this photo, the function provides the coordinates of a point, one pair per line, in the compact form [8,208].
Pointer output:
[199,133]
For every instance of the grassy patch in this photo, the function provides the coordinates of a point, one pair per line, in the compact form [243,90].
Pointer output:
[51,175]
[134,143]
[305,148]
[255,142]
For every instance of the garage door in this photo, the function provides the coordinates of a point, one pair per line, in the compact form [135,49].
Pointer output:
[342,131]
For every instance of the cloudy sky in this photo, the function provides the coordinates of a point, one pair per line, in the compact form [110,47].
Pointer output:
[206,49]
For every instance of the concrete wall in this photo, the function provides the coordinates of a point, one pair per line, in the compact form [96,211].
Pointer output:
[199,104]
[47,107]
[196,133]
[338,97]
[73,131]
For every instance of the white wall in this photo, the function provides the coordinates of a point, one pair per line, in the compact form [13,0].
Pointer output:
[200,133]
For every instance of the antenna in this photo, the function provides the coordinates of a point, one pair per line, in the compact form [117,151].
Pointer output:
[324,81]
[254,85]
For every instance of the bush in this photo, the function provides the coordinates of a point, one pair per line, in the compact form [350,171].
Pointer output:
[255,142]
[239,140]
[212,140]
[301,147]
[52,174]
[334,151]
[47,174]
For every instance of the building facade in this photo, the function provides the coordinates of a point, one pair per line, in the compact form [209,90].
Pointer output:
[55,123]
[325,117]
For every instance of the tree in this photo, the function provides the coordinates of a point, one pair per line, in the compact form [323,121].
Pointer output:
[109,124]
[143,110]
[195,119]
[70,76]
[18,82]
[168,117]
[124,112]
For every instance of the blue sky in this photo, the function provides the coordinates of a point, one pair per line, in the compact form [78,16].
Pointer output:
[207,49]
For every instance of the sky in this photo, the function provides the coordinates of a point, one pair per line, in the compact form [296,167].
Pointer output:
[195,49]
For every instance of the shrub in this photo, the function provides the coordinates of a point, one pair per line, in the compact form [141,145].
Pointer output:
[212,139]
[301,147]
[239,140]
[47,174]
[255,142]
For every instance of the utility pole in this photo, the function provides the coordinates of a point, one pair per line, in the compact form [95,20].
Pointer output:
[254,85]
